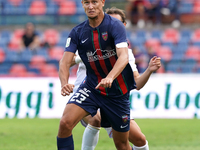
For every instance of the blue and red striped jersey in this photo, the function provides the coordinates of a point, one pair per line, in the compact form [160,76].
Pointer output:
[96,47]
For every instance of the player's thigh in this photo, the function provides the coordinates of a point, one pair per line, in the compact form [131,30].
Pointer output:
[73,114]
[120,138]
[136,136]
[134,126]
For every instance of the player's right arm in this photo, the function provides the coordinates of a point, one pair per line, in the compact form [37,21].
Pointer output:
[65,63]
[73,61]
[64,66]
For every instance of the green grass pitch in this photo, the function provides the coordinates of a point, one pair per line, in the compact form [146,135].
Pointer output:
[40,134]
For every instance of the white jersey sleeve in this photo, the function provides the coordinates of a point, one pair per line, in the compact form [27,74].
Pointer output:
[134,68]
[81,74]
[132,60]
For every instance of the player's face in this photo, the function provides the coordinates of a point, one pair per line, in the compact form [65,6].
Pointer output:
[93,7]
[117,16]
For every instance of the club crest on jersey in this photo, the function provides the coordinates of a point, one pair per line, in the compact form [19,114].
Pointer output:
[125,118]
[105,36]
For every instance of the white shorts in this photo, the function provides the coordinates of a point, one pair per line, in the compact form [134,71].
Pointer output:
[131,115]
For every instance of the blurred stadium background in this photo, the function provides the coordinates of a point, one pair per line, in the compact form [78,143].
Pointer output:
[29,84]
[178,47]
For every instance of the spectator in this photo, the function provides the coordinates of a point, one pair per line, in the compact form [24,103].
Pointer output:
[173,6]
[142,10]
[153,12]
[1,6]
[30,39]
[164,8]
[136,9]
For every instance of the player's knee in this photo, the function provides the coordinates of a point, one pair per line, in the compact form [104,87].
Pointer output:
[122,145]
[140,141]
[95,121]
[66,124]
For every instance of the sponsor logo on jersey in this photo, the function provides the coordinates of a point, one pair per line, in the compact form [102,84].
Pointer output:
[105,36]
[93,56]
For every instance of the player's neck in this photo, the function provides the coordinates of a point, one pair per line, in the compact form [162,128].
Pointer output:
[95,22]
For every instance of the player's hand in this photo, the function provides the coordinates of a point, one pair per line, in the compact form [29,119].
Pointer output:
[106,83]
[155,63]
[67,89]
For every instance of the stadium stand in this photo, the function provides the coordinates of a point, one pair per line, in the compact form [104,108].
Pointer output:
[67,8]
[18,70]
[49,70]
[173,53]
[193,52]
[2,55]
[37,8]
[179,48]
[51,36]
[170,35]
[165,53]
[37,61]
[56,53]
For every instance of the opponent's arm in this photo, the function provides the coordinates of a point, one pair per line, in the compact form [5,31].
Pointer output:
[141,80]
[119,66]
[64,66]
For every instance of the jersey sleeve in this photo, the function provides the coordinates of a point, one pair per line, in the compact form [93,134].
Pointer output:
[132,60]
[119,33]
[72,42]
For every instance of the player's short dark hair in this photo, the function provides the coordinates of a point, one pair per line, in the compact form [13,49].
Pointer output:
[114,10]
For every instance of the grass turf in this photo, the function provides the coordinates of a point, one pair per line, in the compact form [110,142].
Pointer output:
[40,134]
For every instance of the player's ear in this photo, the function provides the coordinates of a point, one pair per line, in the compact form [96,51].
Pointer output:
[103,2]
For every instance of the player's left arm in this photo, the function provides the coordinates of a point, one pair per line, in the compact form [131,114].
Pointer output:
[119,66]
[64,66]
[141,80]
